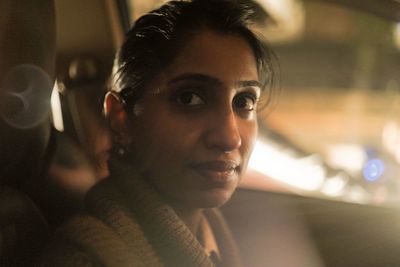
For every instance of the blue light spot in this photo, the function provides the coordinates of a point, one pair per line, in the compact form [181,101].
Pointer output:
[373,170]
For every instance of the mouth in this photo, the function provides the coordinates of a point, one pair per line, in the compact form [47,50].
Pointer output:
[218,171]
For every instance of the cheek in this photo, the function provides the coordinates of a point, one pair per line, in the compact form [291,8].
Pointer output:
[159,143]
[147,144]
[249,136]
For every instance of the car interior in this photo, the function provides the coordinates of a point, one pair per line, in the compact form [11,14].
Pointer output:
[322,187]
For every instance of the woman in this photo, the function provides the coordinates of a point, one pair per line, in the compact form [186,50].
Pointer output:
[183,117]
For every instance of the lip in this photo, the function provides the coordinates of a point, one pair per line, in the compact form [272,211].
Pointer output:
[217,171]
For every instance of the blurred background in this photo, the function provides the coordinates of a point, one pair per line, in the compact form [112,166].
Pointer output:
[334,131]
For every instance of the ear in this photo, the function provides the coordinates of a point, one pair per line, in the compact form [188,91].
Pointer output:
[114,109]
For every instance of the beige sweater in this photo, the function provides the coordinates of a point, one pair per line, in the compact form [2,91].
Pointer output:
[128,224]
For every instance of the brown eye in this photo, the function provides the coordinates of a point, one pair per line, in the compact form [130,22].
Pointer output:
[190,99]
[245,102]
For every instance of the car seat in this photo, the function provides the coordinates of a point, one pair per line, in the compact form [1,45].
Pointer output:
[27,52]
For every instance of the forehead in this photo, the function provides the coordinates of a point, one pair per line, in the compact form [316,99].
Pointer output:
[224,56]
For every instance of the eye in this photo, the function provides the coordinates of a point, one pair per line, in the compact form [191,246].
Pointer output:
[189,98]
[245,102]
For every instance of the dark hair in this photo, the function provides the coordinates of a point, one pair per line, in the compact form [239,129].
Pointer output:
[154,40]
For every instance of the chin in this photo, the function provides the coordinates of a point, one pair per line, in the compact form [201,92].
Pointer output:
[214,198]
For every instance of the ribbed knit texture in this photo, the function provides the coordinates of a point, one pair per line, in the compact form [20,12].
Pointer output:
[130,225]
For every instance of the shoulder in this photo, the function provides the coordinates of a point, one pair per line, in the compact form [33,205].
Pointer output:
[86,230]
[67,241]
[86,241]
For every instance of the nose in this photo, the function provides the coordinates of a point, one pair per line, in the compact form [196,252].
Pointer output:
[223,133]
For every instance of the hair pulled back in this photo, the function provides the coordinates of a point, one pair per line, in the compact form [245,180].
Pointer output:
[155,39]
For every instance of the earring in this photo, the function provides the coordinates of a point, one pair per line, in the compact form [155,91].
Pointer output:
[118,147]
[121,151]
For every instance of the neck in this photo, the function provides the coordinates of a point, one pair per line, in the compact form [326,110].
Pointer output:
[191,218]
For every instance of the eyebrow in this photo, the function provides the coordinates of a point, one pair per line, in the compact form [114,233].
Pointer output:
[199,77]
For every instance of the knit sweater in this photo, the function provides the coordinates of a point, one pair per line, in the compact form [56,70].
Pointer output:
[127,223]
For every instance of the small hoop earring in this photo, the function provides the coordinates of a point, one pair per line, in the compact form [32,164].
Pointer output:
[121,151]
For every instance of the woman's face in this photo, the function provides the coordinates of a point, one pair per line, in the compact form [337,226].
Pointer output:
[194,129]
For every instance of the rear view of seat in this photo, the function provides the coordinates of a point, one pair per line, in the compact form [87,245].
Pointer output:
[27,60]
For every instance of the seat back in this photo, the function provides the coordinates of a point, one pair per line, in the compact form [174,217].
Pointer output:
[27,63]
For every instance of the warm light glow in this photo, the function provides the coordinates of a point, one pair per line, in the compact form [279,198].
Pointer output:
[396,33]
[334,186]
[391,139]
[304,173]
[56,109]
[390,136]
[348,157]
[357,194]
[289,17]
[308,173]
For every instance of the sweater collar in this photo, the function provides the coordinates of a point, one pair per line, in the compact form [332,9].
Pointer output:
[166,232]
